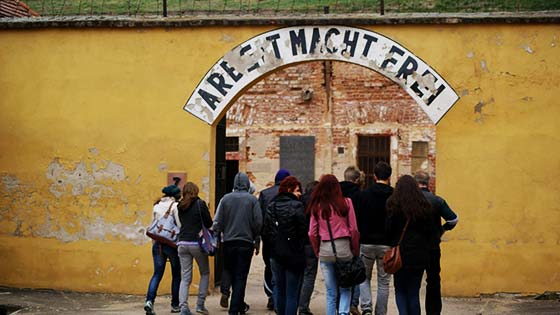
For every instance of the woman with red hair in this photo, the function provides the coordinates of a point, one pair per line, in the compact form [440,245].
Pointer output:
[329,207]
[285,229]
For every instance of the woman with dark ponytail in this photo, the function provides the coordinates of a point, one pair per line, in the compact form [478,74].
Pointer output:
[407,208]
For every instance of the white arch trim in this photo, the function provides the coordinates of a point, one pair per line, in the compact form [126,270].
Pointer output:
[281,47]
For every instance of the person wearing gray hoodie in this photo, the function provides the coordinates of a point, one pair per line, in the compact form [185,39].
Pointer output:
[239,219]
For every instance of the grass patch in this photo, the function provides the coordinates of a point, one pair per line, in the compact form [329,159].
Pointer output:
[188,7]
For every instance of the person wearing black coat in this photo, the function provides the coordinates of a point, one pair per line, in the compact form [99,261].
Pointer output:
[371,215]
[265,197]
[440,210]
[409,210]
[285,230]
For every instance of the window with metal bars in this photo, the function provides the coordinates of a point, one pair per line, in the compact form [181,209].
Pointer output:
[232,144]
[372,149]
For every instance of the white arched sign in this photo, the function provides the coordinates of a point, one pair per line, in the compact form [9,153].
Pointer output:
[271,50]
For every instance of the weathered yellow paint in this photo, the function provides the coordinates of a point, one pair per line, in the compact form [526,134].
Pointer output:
[110,103]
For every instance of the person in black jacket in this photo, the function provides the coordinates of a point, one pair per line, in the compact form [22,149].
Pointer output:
[409,211]
[440,210]
[265,197]
[193,213]
[371,215]
[285,231]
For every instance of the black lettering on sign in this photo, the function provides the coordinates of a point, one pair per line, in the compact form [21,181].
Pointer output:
[242,53]
[231,71]
[315,39]
[408,67]
[369,39]
[394,49]
[416,88]
[331,32]
[298,40]
[273,38]
[350,43]
[219,83]
[209,98]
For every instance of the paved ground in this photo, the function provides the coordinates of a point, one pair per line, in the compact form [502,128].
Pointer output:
[63,302]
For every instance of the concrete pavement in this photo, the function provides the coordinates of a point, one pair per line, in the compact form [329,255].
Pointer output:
[27,301]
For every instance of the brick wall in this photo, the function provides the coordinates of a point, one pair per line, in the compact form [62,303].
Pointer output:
[335,102]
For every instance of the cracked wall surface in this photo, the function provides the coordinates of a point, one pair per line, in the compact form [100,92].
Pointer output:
[91,126]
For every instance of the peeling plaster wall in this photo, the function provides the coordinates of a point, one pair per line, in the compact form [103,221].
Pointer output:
[113,99]
[90,128]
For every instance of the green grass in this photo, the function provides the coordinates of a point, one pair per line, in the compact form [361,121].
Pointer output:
[188,7]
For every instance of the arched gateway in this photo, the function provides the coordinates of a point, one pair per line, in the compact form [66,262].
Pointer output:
[269,51]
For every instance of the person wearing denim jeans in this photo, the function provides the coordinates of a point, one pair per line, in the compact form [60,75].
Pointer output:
[371,215]
[410,225]
[407,285]
[373,255]
[286,288]
[285,230]
[344,298]
[160,254]
[333,233]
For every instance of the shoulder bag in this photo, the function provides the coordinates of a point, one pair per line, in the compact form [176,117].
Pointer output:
[348,273]
[164,229]
[206,239]
[392,261]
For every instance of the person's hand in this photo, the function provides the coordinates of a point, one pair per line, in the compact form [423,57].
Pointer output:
[257,250]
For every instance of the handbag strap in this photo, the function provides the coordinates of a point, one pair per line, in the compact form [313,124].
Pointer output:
[168,210]
[331,235]
[202,227]
[404,230]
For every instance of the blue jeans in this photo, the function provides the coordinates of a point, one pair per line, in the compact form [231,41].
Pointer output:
[237,261]
[287,284]
[309,276]
[327,269]
[160,259]
[407,290]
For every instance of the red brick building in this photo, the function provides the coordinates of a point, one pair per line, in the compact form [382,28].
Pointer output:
[349,115]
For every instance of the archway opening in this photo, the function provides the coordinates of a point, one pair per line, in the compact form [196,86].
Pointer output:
[348,114]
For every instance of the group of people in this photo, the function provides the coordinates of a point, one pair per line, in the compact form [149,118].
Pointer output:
[190,213]
[301,230]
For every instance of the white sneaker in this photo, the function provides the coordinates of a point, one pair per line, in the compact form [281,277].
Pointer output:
[149,308]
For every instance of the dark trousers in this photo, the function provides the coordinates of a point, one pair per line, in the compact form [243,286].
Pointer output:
[407,290]
[433,284]
[225,283]
[287,285]
[237,260]
[268,282]
[160,254]
[309,276]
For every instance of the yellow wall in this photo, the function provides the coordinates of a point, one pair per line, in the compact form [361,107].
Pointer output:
[101,111]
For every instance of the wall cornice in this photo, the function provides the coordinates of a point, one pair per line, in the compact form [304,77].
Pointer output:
[547,17]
